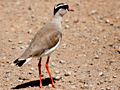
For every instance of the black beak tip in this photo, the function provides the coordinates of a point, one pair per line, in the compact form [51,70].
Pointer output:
[70,10]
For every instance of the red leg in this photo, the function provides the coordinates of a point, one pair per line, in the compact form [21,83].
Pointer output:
[39,67]
[46,65]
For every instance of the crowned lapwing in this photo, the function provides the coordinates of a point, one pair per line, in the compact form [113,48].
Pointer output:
[46,40]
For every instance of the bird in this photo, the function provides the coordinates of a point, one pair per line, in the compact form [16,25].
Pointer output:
[45,41]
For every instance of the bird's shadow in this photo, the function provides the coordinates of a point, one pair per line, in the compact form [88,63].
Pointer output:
[34,83]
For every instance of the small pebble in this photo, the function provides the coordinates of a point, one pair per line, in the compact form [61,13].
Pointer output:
[94,12]
[64,46]
[32,68]
[107,21]
[53,64]
[78,3]
[26,22]
[76,20]
[8,71]
[101,88]
[21,47]
[30,31]
[20,42]
[62,61]
[13,47]
[107,88]
[96,57]
[56,72]
[73,86]
[66,20]
[111,44]
[101,73]
[67,73]
[10,40]
[118,50]
[30,72]
[18,3]
[67,26]
[114,76]
[57,77]
[50,85]
[86,85]
[21,78]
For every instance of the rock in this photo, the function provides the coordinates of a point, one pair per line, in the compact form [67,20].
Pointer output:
[111,44]
[8,71]
[87,70]
[110,80]
[22,78]
[107,21]
[5,58]
[86,85]
[21,47]
[111,61]
[26,22]
[67,73]
[56,72]
[57,77]
[118,50]
[81,81]
[30,31]
[66,20]
[53,64]
[114,76]
[50,85]
[30,72]
[101,73]
[62,61]
[32,68]
[101,88]
[67,26]
[107,88]
[76,20]
[13,47]
[20,42]
[96,57]
[77,3]
[73,86]
[10,40]
[64,46]
[94,12]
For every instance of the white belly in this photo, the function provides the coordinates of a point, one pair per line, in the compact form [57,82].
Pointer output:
[49,51]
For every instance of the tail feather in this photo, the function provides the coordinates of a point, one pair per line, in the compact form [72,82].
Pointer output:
[19,62]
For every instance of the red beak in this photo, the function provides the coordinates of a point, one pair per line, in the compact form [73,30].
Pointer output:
[70,9]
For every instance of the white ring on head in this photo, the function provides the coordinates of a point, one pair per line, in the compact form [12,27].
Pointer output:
[60,5]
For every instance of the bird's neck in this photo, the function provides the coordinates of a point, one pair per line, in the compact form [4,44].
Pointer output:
[57,18]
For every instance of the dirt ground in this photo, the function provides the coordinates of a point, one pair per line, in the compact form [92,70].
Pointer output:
[88,57]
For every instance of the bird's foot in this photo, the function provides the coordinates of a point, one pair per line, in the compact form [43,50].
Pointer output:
[41,86]
[54,85]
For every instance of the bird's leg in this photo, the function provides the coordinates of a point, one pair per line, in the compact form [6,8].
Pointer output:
[39,67]
[46,65]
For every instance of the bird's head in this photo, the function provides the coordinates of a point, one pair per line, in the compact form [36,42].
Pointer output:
[61,9]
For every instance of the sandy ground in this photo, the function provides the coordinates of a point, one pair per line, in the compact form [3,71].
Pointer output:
[87,54]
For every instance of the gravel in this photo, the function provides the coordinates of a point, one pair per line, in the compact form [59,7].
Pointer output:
[20,42]
[57,77]
[67,73]
[94,12]
[67,26]
[96,56]
[8,71]
[62,61]
[101,74]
